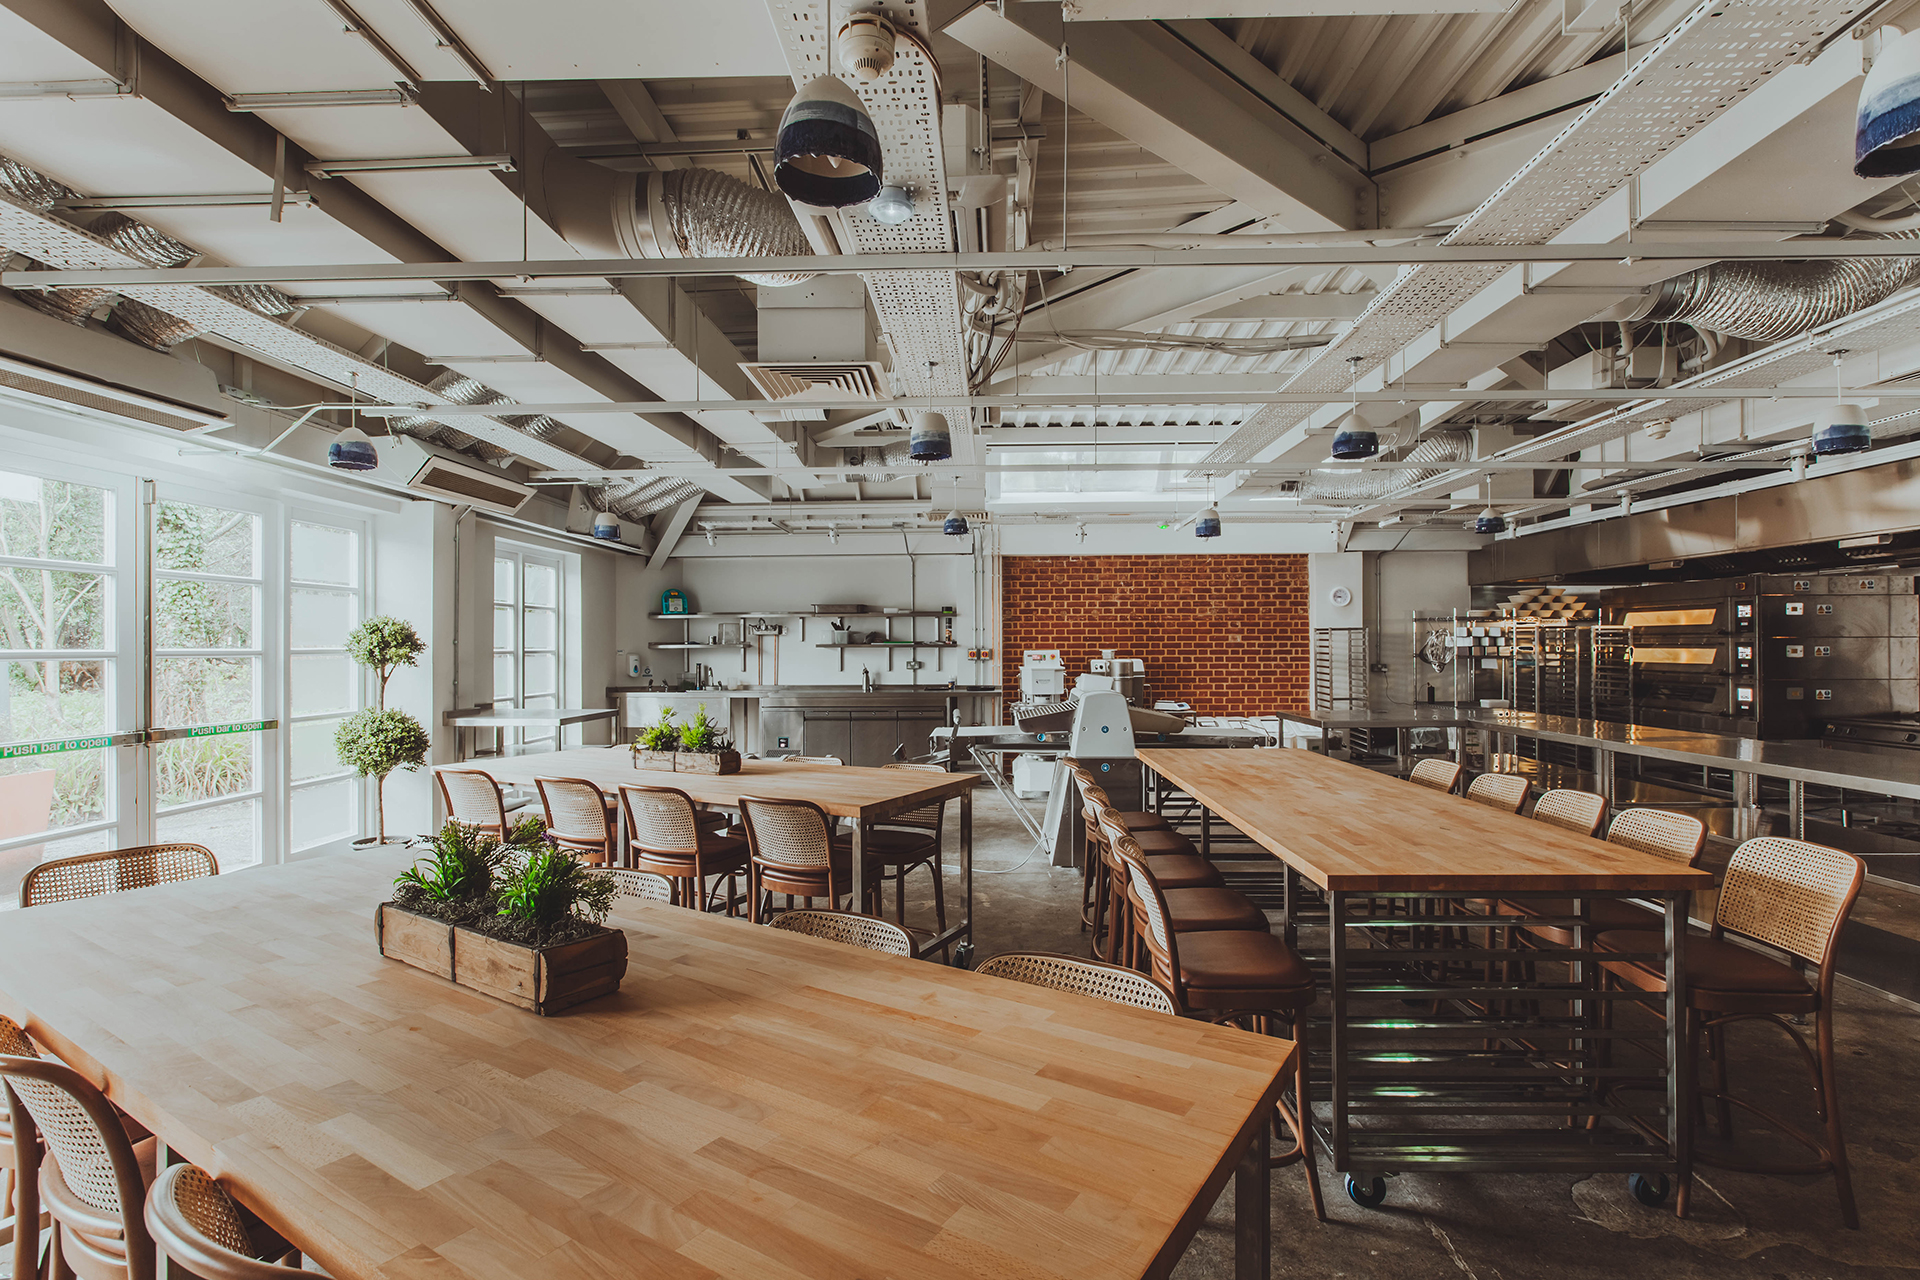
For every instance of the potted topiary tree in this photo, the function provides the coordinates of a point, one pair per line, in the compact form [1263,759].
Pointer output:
[705,747]
[376,741]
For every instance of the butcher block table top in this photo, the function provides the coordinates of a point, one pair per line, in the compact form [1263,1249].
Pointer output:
[842,791]
[751,1103]
[1349,829]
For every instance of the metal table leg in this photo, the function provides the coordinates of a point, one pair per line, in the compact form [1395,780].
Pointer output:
[1337,1030]
[966,862]
[1796,807]
[1679,1049]
[1253,1205]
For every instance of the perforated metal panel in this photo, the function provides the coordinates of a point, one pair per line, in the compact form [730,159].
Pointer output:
[59,244]
[919,311]
[1718,54]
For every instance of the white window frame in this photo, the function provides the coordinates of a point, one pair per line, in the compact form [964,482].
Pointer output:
[271,563]
[522,555]
[361,590]
[124,774]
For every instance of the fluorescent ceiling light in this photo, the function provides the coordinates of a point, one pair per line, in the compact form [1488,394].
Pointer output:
[408,164]
[395,96]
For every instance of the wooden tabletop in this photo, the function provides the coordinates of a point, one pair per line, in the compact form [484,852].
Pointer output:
[1350,829]
[751,1103]
[842,791]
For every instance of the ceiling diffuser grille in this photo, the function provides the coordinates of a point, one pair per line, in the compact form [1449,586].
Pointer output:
[818,379]
[48,386]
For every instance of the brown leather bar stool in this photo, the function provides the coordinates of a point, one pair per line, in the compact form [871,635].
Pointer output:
[91,1179]
[1504,791]
[1093,878]
[664,836]
[1176,871]
[1438,775]
[1580,811]
[1791,896]
[795,852]
[1660,832]
[1237,977]
[199,1226]
[1202,909]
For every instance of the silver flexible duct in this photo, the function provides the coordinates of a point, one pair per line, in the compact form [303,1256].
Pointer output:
[1442,447]
[132,319]
[1768,301]
[38,192]
[637,499]
[460,389]
[674,213]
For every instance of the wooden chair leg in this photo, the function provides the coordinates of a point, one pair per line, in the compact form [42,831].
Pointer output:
[1302,1118]
[1836,1139]
[1722,1110]
[1690,1100]
[939,892]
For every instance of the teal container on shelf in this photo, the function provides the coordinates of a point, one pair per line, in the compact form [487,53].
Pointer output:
[674,600]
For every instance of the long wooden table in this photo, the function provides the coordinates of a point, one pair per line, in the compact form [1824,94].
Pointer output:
[751,1103]
[1364,838]
[865,796]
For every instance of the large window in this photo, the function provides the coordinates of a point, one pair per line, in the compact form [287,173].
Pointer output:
[59,672]
[324,603]
[528,655]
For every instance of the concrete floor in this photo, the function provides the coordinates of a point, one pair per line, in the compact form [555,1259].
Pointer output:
[1507,1226]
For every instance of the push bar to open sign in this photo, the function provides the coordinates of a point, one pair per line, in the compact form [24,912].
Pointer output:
[95,742]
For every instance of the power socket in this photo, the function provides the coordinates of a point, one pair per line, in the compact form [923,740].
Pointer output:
[915,665]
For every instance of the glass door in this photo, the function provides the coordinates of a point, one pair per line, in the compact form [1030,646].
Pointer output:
[528,668]
[210,686]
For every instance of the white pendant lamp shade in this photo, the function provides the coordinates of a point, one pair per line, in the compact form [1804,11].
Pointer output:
[351,450]
[1841,428]
[929,440]
[1490,521]
[828,152]
[955,525]
[1886,141]
[1354,438]
[606,526]
[1208,525]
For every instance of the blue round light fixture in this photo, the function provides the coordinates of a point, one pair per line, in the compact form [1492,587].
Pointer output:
[1842,428]
[955,525]
[828,152]
[1354,440]
[1886,140]
[929,440]
[1208,525]
[351,450]
[606,526]
[1490,521]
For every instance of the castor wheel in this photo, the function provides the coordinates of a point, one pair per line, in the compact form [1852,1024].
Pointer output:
[963,955]
[1651,1192]
[1368,1195]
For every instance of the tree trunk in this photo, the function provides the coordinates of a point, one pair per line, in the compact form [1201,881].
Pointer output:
[380,804]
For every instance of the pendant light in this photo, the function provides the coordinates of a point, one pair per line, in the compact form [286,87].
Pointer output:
[1842,426]
[1886,140]
[1354,438]
[828,152]
[955,525]
[929,440]
[351,450]
[1489,520]
[606,526]
[1208,525]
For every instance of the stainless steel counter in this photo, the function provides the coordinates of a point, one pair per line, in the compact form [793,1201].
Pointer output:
[1797,764]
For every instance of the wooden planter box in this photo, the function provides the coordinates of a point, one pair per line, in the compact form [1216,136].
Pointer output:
[543,979]
[707,761]
[687,761]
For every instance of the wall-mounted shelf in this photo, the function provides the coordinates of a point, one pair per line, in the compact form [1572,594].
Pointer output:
[893,644]
[696,617]
[870,621]
[658,645]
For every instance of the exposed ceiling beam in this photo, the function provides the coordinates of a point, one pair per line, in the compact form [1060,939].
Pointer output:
[1148,86]
[676,524]
[1147,10]
[1217,47]
[644,119]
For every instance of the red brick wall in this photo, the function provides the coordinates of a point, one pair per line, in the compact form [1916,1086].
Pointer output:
[1226,633]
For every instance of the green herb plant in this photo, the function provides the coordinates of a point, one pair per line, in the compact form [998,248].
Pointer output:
[664,736]
[702,734]
[553,888]
[460,867]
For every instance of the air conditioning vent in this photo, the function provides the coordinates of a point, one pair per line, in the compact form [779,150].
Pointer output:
[819,379]
[47,386]
[450,478]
